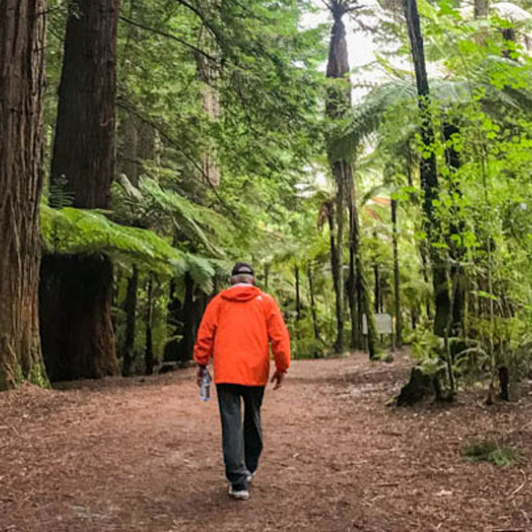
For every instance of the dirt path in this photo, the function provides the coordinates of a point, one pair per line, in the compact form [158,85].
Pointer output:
[144,455]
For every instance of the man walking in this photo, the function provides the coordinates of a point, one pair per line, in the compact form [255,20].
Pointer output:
[236,330]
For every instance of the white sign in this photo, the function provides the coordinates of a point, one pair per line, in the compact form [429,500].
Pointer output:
[384,323]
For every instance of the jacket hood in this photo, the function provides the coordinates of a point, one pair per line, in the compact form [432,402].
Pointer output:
[241,293]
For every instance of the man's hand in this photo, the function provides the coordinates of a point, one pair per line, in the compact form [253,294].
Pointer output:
[278,378]
[199,374]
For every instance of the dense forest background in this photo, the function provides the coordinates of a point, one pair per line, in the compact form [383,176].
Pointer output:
[147,145]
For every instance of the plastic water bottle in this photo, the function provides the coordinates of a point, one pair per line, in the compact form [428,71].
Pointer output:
[205,387]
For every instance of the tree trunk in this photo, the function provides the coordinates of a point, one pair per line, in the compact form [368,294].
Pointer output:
[208,74]
[83,158]
[22,45]
[355,342]
[377,286]
[338,104]
[298,294]
[428,173]
[313,310]
[266,276]
[457,227]
[149,358]
[396,278]
[129,165]
[77,291]
[131,320]
[187,349]
[173,324]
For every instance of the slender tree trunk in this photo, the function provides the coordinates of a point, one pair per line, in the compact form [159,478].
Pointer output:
[149,357]
[457,227]
[22,45]
[266,276]
[129,165]
[189,320]
[361,285]
[313,310]
[298,294]
[173,324]
[336,282]
[377,286]
[428,173]
[352,299]
[131,320]
[338,104]
[396,278]
[83,157]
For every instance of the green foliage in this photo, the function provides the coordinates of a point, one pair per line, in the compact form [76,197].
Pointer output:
[75,231]
[492,452]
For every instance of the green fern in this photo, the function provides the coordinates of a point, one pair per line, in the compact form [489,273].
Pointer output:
[76,231]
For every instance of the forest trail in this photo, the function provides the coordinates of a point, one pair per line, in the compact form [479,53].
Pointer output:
[144,455]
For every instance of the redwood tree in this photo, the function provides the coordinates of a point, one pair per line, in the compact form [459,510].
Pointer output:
[21,97]
[76,292]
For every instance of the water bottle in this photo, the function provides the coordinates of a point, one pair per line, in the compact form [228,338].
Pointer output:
[205,387]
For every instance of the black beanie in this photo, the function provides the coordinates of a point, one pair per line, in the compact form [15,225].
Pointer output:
[242,268]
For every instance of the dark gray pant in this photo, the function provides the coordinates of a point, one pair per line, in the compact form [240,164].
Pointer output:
[242,443]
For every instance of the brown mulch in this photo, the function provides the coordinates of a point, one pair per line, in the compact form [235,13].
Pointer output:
[144,455]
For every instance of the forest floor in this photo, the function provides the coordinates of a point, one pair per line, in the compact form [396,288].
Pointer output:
[144,455]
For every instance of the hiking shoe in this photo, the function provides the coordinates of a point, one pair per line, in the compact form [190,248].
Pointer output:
[250,477]
[239,494]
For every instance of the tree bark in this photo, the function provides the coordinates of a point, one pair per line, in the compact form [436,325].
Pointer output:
[131,321]
[83,158]
[298,294]
[376,275]
[208,74]
[187,350]
[457,227]
[22,45]
[313,310]
[149,358]
[338,104]
[428,172]
[396,278]
[77,291]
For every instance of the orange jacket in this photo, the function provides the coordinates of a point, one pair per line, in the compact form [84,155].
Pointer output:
[236,329]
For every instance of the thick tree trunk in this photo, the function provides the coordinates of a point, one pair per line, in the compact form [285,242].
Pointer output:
[22,45]
[208,74]
[396,278]
[428,173]
[83,157]
[77,291]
